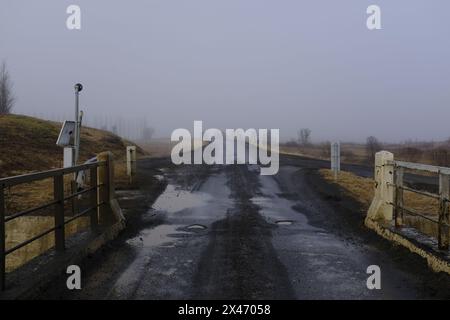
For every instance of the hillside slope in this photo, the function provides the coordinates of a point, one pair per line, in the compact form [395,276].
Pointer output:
[29,144]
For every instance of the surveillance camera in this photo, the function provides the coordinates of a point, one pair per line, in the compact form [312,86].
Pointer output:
[78,87]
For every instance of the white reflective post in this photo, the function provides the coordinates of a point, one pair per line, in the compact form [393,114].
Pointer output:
[336,158]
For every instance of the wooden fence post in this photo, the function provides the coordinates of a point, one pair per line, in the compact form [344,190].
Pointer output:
[106,188]
[58,192]
[94,199]
[398,209]
[443,229]
[2,239]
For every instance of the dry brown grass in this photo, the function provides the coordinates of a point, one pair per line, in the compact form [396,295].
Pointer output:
[357,187]
[23,228]
[157,147]
[350,152]
[434,153]
[362,190]
[28,145]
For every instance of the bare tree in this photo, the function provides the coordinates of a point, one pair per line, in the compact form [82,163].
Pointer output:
[6,96]
[372,147]
[304,136]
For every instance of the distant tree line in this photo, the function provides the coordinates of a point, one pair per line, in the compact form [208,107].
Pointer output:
[372,147]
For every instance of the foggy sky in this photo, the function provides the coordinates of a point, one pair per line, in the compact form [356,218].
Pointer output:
[281,64]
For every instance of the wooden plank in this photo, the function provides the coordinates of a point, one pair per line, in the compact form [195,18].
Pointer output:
[398,208]
[2,239]
[93,199]
[105,180]
[25,178]
[443,233]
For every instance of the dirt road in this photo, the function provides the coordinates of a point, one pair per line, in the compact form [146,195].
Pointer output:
[228,233]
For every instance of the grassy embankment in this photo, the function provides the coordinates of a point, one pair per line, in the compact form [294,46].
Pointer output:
[27,145]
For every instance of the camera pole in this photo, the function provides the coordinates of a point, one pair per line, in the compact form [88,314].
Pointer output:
[76,145]
[76,141]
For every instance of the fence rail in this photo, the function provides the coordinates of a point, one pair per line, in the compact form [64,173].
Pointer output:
[421,167]
[443,197]
[389,205]
[97,191]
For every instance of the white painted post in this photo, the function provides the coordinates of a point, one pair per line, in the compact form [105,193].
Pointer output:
[381,207]
[336,158]
[131,162]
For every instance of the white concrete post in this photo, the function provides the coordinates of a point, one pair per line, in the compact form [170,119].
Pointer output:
[336,158]
[131,162]
[381,207]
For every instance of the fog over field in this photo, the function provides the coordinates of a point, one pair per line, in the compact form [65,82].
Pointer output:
[237,63]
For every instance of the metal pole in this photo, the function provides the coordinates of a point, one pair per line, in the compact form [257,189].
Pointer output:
[78,88]
[76,144]
[75,139]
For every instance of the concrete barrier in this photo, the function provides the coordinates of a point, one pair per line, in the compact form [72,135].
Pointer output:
[381,208]
[109,211]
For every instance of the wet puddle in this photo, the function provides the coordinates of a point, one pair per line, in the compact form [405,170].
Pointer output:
[275,208]
[173,200]
[284,222]
[196,227]
[160,236]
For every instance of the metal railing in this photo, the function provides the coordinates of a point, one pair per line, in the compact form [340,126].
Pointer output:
[443,197]
[58,202]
